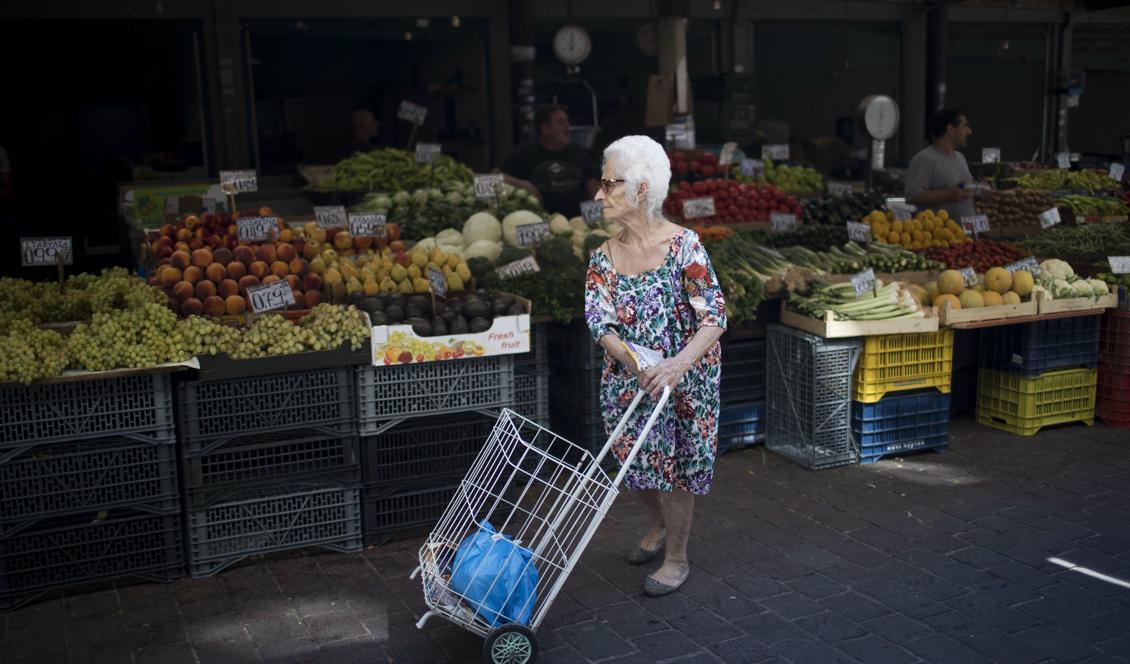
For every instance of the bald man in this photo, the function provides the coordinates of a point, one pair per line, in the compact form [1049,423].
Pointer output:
[364,126]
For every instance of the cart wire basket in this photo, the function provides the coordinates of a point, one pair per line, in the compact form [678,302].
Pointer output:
[539,498]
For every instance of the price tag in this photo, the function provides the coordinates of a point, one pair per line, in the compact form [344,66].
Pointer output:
[1049,218]
[1119,264]
[753,168]
[410,112]
[858,232]
[239,182]
[428,153]
[437,282]
[523,266]
[839,188]
[531,234]
[1017,359]
[271,296]
[990,155]
[777,151]
[1117,171]
[486,186]
[592,211]
[257,229]
[1063,160]
[330,216]
[726,157]
[978,223]
[863,282]
[367,225]
[39,251]
[901,211]
[1028,265]
[970,276]
[780,222]
[693,208]
[172,204]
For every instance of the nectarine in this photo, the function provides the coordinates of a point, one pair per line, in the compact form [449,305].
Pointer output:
[227,288]
[193,274]
[236,270]
[222,256]
[214,305]
[170,275]
[180,259]
[191,307]
[215,272]
[183,290]
[280,269]
[246,282]
[205,289]
[234,305]
[259,269]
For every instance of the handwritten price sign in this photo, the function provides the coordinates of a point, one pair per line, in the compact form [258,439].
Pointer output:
[753,168]
[437,282]
[524,266]
[970,276]
[695,208]
[858,232]
[780,222]
[531,234]
[367,225]
[257,229]
[486,186]
[239,182]
[1028,265]
[1049,218]
[330,216]
[40,251]
[778,151]
[990,155]
[592,211]
[270,297]
[1119,264]
[726,157]
[410,112]
[428,153]
[863,282]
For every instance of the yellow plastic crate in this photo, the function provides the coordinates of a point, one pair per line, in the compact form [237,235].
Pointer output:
[898,362]
[1023,406]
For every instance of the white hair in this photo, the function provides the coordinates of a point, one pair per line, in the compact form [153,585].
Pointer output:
[641,159]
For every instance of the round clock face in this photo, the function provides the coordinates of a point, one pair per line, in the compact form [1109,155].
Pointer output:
[572,44]
[881,117]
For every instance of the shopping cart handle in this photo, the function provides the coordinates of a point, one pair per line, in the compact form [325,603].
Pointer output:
[643,434]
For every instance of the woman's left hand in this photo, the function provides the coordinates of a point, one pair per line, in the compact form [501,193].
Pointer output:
[667,373]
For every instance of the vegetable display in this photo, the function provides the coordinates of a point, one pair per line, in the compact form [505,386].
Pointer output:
[1086,243]
[425,212]
[1062,179]
[733,202]
[854,258]
[926,229]
[790,179]
[1060,281]
[891,301]
[979,255]
[840,209]
[390,169]
[1014,207]
[1091,206]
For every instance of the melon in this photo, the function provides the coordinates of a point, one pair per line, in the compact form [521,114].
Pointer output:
[971,299]
[1011,297]
[951,282]
[998,279]
[1022,283]
[947,300]
[992,298]
[932,290]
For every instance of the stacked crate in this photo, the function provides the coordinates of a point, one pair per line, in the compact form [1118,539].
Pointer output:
[901,400]
[1113,398]
[576,363]
[88,484]
[741,421]
[1038,374]
[966,357]
[270,463]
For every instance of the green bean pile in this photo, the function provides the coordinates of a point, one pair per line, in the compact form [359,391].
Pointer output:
[1088,243]
[393,170]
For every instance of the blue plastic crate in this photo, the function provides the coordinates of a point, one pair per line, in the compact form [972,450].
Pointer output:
[900,424]
[740,425]
[1031,349]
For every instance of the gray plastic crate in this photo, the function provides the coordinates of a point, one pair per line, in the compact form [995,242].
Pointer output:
[323,399]
[537,360]
[400,512]
[270,519]
[388,394]
[67,478]
[139,406]
[572,345]
[743,371]
[809,397]
[436,449]
[89,547]
[531,396]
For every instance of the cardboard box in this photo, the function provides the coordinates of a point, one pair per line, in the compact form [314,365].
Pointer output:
[398,344]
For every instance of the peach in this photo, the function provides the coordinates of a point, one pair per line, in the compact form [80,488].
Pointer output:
[271,278]
[294,281]
[168,230]
[193,274]
[180,259]
[170,275]
[164,242]
[299,299]
[286,252]
[195,243]
[191,307]
[236,270]
[205,289]
[181,246]
[215,306]
[227,288]
[222,255]
[191,221]
[259,269]
[202,258]
[312,298]
[183,290]
[280,269]
[244,254]
[286,235]
[215,272]
[164,261]
[214,241]
[246,282]
[184,235]
[311,282]
[267,254]
[234,305]
[311,249]
[299,266]
[164,252]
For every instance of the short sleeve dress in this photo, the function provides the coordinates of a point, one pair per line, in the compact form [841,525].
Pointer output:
[662,309]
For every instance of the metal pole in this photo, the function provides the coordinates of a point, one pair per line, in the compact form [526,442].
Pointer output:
[522,53]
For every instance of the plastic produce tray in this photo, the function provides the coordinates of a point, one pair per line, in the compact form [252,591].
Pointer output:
[899,362]
[139,406]
[743,371]
[400,512]
[390,393]
[439,450]
[1112,403]
[808,404]
[82,548]
[1025,405]
[68,478]
[573,345]
[900,424]
[1031,349]
[323,399]
[270,519]
[1114,341]
[740,425]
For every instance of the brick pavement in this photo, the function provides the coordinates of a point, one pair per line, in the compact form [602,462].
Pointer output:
[937,558]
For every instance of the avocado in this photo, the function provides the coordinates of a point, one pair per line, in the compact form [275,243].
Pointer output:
[439,326]
[506,299]
[458,325]
[355,298]
[372,304]
[480,324]
[473,307]
[414,310]
[421,301]
[378,318]
[499,308]
[420,327]
[394,314]
[395,299]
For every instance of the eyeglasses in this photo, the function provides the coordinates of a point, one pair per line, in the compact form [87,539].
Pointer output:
[607,185]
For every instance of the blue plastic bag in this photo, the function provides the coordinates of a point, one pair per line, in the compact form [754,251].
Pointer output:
[496,577]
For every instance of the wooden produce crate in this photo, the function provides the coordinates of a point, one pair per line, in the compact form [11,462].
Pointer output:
[948,316]
[830,328]
[1049,306]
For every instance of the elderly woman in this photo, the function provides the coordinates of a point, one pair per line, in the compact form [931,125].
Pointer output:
[654,286]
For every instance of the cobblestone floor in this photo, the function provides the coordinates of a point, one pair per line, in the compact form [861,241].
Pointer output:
[936,558]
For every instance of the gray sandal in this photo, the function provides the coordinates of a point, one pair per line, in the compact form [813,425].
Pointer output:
[640,555]
[654,588]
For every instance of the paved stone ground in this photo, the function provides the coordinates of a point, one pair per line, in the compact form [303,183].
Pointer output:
[937,558]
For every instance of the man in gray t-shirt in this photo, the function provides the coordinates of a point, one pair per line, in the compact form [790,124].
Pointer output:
[935,176]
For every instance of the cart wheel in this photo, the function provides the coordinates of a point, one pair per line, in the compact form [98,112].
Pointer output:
[511,644]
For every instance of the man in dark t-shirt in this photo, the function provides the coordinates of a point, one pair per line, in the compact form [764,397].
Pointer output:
[560,174]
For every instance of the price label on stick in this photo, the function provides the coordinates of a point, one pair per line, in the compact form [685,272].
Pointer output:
[901,211]
[780,222]
[437,282]
[694,208]
[839,188]
[428,153]
[970,276]
[1116,172]
[858,232]
[1063,160]
[486,186]
[975,224]
[330,216]
[410,112]
[592,211]
[753,168]
[523,266]
[257,229]
[990,155]
[1119,264]
[531,234]
[863,282]
[270,297]
[239,182]
[41,251]
[367,225]
[726,156]
[1028,265]
[1049,218]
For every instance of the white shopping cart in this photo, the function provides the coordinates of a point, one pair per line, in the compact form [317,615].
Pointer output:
[545,497]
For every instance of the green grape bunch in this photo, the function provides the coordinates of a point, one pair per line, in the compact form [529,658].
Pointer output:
[204,336]
[28,353]
[272,335]
[333,325]
[130,338]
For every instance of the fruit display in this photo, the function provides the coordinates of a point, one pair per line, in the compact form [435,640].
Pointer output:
[926,229]
[687,165]
[1092,206]
[326,327]
[997,286]
[840,209]
[464,313]
[1085,243]
[81,296]
[981,255]
[1115,280]
[390,169]
[136,338]
[1014,207]
[1059,280]
[734,202]
[790,179]
[28,353]
[891,301]
[1090,181]
[424,212]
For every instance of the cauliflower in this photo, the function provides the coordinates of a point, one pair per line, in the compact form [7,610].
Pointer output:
[1081,288]
[1099,286]
[1056,269]
[1061,288]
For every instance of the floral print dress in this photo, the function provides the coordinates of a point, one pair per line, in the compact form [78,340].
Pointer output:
[661,309]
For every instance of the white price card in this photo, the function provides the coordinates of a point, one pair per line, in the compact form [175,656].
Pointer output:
[1028,265]
[726,156]
[863,282]
[781,222]
[1063,159]
[694,208]
[524,266]
[428,153]
[270,296]
[1116,171]
[437,282]
[839,188]
[410,112]
[1049,218]
[753,168]
[970,276]
[330,216]
[486,186]
[1119,264]
[901,211]
[239,182]
[778,151]
[978,223]
[367,225]
[257,229]
[531,234]
[592,211]
[858,232]
[990,155]
[40,251]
